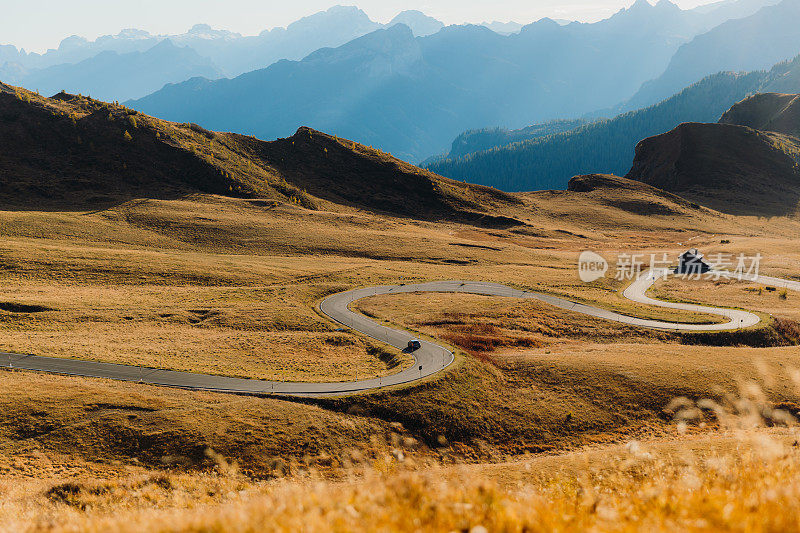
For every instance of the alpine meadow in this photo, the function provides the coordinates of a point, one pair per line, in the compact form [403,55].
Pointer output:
[507,267]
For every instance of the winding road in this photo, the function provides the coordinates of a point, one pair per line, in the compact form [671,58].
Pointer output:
[430,359]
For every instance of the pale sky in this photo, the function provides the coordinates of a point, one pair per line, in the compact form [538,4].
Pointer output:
[40,24]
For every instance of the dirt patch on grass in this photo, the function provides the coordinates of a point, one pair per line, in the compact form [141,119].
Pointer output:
[486,338]
[13,307]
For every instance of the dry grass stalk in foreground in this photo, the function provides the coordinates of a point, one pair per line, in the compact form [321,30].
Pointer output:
[755,490]
[753,485]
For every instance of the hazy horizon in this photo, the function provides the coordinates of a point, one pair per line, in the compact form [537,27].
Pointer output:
[39,25]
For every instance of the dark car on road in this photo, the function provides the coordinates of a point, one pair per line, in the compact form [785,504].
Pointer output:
[414,345]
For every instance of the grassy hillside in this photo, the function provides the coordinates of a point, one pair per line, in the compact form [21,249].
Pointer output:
[767,111]
[684,482]
[226,285]
[347,173]
[632,196]
[76,152]
[211,257]
[608,146]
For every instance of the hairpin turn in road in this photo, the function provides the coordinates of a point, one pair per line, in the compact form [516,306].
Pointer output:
[429,359]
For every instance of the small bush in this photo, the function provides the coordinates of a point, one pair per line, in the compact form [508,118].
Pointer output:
[339,340]
[201,130]
[303,200]
[782,332]
[788,329]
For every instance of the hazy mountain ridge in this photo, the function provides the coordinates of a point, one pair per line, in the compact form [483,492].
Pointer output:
[449,82]
[232,52]
[421,24]
[744,44]
[488,138]
[504,28]
[114,76]
[333,27]
[89,67]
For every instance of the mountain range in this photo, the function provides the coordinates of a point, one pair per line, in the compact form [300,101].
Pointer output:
[753,43]
[74,152]
[412,85]
[231,52]
[412,95]
[708,53]
[507,28]
[99,67]
[122,76]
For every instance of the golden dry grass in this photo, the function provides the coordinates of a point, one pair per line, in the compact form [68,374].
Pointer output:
[748,482]
[225,286]
[760,297]
[214,284]
[73,426]
[115,292]
[742,476]
[228,286]
[485,323]
[224,330]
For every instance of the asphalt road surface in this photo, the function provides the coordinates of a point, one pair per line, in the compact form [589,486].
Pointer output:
[430,359]
[737,318]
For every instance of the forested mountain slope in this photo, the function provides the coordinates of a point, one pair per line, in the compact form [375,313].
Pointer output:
[608,146]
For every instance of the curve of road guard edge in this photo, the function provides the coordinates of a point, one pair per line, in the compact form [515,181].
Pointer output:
[429,359]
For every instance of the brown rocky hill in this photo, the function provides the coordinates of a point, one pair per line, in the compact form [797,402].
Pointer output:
[348,173]
[768,112]
[74,152]
[632,196]
[729,167]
